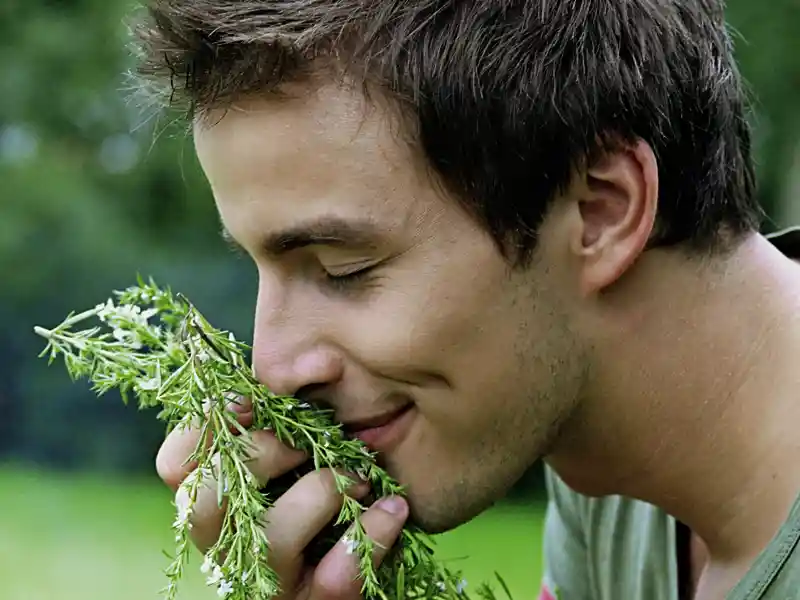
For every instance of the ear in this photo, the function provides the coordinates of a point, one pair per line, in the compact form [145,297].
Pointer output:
[617,211]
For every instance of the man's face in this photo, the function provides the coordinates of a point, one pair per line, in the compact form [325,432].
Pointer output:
[434,322]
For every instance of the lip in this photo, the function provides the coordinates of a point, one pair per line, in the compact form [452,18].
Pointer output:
[383,432]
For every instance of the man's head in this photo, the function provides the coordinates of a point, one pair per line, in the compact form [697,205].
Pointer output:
[489,170]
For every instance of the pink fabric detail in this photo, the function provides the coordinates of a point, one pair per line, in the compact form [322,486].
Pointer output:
[546,594]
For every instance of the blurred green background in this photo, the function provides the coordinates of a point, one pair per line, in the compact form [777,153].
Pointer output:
[94,190]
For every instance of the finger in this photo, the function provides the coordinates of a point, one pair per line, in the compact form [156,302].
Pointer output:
[171,461]
[337,575]
[299,515]
[241,405]
[172,464]
[268,458]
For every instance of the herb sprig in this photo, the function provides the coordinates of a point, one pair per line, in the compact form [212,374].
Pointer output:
[155,345]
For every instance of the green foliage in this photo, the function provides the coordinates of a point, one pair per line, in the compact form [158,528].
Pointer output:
[192,372]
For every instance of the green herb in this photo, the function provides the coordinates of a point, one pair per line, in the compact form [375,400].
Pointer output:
[155,345]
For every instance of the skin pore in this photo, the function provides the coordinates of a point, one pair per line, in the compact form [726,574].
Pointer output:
[648,374]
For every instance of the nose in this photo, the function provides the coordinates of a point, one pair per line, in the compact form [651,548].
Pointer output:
[289,350]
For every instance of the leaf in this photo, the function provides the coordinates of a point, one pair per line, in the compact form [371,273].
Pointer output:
[503,585]
[401,582]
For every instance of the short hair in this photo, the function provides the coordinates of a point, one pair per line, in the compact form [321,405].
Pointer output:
[507,97]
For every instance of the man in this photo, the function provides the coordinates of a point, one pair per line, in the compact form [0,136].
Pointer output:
[493,232]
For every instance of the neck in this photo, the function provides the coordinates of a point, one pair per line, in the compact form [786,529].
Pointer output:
[694,405]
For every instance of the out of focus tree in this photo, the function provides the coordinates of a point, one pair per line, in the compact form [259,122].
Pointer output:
[90,196]
[768,51]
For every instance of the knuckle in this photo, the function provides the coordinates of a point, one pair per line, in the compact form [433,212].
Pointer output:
[383,532]
[268,458]
[330,584]
[324,478]
[323,482]
[383,527]
[167,468]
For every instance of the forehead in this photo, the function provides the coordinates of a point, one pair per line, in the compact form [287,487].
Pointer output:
[324,151]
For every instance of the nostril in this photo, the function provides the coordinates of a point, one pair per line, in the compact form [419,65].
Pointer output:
[313,393]
[295,371]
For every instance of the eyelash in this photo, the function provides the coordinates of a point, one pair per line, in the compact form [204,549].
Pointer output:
[340,283]
[348,281]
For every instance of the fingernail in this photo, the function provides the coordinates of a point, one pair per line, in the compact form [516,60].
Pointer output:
[237,405]
[394,505]
[357,487]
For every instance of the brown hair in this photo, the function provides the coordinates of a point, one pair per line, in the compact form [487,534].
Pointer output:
[508,97]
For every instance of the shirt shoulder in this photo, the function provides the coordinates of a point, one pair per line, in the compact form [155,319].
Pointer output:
[626,547]
[775,575]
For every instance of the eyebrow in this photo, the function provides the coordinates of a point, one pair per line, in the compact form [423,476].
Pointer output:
[322,231]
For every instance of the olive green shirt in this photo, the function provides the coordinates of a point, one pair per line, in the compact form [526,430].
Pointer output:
[615,548]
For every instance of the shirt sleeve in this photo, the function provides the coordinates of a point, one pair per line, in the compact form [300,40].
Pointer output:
[566,565]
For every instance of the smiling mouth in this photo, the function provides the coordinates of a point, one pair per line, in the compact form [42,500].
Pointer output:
[381,432]
[353,427]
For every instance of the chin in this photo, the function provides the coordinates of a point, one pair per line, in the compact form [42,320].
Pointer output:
[432,524]
[435,517]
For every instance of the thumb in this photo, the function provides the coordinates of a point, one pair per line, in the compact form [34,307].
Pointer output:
[337,575]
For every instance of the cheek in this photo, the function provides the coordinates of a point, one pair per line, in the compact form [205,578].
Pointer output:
[466,335]
[444,329]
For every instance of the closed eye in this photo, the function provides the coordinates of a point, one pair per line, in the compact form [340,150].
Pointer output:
[349,280]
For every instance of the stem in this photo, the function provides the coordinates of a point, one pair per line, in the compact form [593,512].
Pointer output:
[48,333]
[45,333]
[67,338]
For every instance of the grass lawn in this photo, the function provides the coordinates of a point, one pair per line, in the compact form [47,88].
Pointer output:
[70,537]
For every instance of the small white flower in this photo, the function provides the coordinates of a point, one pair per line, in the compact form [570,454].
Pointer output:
[208,565]
[183,504]
[145,316]
[304,405]
[129,312]
[149,385]
[215,577]
[203,356]
[350,544]
[172,347]
[225,588]
[459,586]
[129,338]
[105,310]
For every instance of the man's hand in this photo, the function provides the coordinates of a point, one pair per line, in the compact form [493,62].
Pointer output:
[295,518]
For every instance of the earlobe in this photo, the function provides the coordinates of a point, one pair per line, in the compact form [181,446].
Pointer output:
[617,212]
